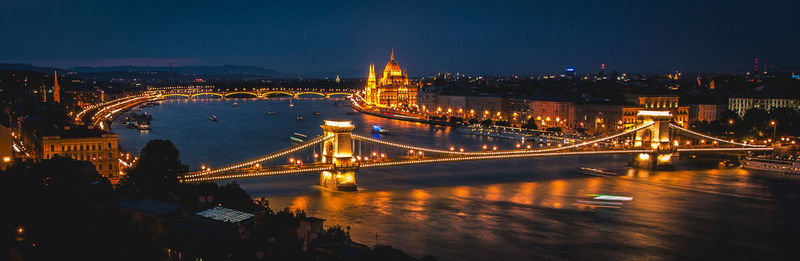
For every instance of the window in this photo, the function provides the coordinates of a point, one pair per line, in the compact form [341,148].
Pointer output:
[109,145]
[110,167]
[109,155]
[99,166]
[62,148]
[52,148]
[93,147]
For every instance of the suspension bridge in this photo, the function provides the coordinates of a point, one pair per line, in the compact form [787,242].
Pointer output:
[338,154]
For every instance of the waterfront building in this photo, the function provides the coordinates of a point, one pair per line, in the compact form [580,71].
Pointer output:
[428,99]
[600,117]
[392,90]
[554,113]
[669,103]
[86,143]
[517,109]
[740,105]
[703,112]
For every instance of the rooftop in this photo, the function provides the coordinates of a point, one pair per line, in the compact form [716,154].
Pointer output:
[77,131]
[225,215]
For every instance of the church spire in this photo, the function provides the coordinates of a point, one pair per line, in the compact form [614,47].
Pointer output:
[56,89]
[392,58]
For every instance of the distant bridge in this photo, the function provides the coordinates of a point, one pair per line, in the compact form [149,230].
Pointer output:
[338,154]
[202,91]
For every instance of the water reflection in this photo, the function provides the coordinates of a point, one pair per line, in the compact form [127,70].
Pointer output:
[510,209]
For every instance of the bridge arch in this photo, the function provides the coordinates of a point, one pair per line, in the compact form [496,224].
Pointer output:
[345,94]
[208,93]
[314,93]
[279,92]
[248,93]
[175,95]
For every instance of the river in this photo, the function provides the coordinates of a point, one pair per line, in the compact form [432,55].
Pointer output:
[518,209]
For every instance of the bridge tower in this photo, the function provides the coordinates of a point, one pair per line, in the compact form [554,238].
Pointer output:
[655,137]
[338,151]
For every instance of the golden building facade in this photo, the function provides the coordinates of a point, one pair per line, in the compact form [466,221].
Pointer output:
[85,143]
[392,90]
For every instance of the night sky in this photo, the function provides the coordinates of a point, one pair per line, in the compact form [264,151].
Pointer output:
[491,37]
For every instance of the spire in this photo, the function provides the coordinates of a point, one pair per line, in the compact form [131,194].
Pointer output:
[44,93]
[392,54]
[56,89]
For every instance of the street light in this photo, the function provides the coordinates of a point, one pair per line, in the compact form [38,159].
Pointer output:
[774,128]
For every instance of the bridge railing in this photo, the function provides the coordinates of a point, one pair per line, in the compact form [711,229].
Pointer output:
[679,128]
[268,157]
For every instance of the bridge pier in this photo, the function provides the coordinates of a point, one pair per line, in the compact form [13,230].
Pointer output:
[653,160]
[338,151]
[655,137]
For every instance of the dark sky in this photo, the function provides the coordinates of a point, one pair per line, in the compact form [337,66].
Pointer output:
[488,37]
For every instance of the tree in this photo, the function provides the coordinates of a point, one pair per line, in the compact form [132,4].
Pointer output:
[486,123]
[530,124]
[473,121]
[156,173]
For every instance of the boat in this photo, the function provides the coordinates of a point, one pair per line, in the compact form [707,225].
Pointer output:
[235,105]
[351,113]
[497,132]
[213,118]
[379,130]
[335,104]
[298,137]
[316,112]
[271,112]
[299,117]
[772,164]
[291,104]
[143,126]
[596,172]
[610,197]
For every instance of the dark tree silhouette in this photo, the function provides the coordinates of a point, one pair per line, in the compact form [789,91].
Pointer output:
[156,173]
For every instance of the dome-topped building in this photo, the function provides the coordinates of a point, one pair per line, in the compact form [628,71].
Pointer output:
[392,89]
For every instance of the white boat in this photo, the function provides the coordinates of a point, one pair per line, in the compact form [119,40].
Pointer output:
[788,166]
[213,118]
[379,130]
[596,172]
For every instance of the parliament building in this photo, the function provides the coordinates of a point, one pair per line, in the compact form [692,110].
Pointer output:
[392,90]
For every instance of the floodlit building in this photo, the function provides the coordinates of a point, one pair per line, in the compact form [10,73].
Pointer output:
[740,105]
[392,89]
[87,143]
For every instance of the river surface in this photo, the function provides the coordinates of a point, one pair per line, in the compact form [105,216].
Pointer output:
[519,209]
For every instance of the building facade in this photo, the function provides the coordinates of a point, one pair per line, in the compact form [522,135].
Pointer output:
[392,90]
[554,113]
[667,103]
[740,105]
[703,112]
[85,143]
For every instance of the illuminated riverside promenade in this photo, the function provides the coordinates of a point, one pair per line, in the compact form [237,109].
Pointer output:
[342,152]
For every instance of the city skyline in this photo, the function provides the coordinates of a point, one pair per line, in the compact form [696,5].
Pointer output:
[474,38]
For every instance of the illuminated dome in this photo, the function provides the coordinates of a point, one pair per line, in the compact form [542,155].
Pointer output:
[392,67]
